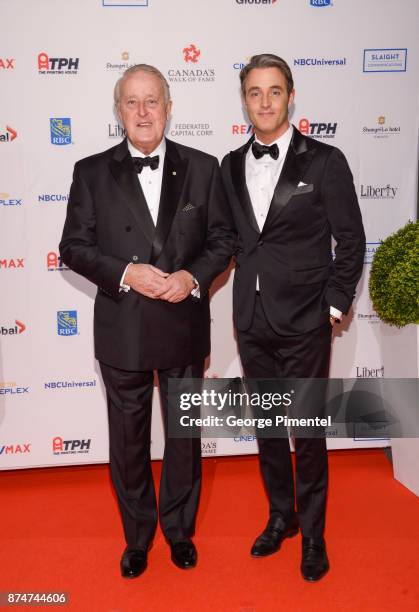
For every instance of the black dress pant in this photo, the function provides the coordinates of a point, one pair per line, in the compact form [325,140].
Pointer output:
[266,354]
[129,396]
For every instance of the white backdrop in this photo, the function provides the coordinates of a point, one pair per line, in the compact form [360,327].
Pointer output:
[355,65]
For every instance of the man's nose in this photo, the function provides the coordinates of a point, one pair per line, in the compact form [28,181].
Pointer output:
[266,100]
[141,108]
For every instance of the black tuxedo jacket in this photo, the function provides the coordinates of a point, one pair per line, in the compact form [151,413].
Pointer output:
[298,279]
[108,225]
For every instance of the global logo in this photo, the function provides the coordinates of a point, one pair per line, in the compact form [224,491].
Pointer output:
[118,3]
[60,128]
[191,54]
[67,323]
[9,135]
[70,447]
[256,2]
[317,130]
[7,63]
[319,3]
[57,65]
[55,263]
[6,200]
[14,330]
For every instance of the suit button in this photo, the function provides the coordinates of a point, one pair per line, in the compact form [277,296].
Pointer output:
[260,243]
[128,228]
[135,258]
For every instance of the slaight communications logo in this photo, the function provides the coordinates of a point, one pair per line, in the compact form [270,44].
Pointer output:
[70,447]
[60,128]
[370,250]
[385,60]
[317,130]
[13,330]
[6,200]
[9,135]
[57,65]
[67,323]
[55,263]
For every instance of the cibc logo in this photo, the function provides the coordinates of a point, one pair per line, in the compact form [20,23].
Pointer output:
[70,447]
[57,65]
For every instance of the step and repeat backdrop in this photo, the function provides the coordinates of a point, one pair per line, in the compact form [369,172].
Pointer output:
[355,66]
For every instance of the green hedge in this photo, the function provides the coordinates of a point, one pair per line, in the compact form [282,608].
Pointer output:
[394,279]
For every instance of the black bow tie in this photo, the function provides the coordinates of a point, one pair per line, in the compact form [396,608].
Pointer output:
[260,150]
[140,162]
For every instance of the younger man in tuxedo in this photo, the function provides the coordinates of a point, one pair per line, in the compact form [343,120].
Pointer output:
[289,195]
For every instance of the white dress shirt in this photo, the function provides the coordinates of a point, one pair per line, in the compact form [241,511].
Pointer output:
[261,178]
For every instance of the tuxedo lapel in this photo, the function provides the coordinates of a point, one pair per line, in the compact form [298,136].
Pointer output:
[238,177]
[298,159]
[122,170]
[174,171]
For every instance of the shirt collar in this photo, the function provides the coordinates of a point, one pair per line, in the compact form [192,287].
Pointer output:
[159,150]
[283,142]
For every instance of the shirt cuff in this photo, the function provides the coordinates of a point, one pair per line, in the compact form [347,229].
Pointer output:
[334,312]
[122,285]
[196,291]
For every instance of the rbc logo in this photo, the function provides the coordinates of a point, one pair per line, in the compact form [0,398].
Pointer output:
[320,2]
[60,130]
[67,322]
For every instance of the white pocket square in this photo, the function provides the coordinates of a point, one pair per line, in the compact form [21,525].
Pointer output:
[301,184]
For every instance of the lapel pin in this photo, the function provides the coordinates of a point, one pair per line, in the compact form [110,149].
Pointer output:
[174,173]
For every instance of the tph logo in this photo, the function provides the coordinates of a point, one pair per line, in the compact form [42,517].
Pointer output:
[18,328]
[55,263]
[9,135]
[70,447]
[57,65]
[12,264]
[67,322]
[191,54]
[7,63]
[317,130]
[60,128]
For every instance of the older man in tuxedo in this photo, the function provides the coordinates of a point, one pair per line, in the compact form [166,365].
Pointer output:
[147,222]
[289,195]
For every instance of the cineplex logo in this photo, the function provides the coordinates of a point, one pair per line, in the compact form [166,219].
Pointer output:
[9,135]
[57,65]
[191,56]
[11,388]
[14,330]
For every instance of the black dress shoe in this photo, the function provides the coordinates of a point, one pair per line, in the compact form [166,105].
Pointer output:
[314,563]
[270,540]
[133,563]
[184,554]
